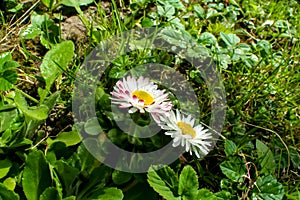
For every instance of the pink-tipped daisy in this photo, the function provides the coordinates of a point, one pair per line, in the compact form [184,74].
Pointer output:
[141,95]
[195,138]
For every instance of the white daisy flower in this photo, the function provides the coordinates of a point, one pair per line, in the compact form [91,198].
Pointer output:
[141,95]
[195,138]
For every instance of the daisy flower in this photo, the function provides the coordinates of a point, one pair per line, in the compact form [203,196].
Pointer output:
[195,138]
[141,95]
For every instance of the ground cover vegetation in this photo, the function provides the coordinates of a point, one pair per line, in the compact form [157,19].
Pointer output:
[255,46]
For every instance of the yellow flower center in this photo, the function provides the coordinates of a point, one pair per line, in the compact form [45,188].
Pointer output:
[144,96]
[186,129]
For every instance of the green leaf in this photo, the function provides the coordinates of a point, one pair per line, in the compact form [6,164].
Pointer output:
[5,165]
[56,61]
[67,173]
[50,193]
[199,11]
[69,138]
[164,182]
[230,39]
[234,169]
[30,32]
[188,183]
[120,177]
[10,183]
[75,3]
[230,147]
[92,126]
[265,158]
[4,57]
[7,194]
[36,175]
[205,194]
[38,113]
[70,198]
[8,79]
[267,189]
[117,72]
[107,194]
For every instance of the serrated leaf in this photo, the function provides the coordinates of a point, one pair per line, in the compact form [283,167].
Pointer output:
[230,39]
[56,61]
[230,147]
[50,193]
[188,183]
[234,169]
[107,194]
[267,189]
[163,181]
[5,165]
[36,175]
[7,194]
[265,158]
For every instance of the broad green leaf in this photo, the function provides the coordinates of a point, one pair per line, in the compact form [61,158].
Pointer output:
[92,126]
[75,3]
[107,194]
[230,39]
[267,189]
[69,138]
[30,32]
[36,175]
[7,194]
[230,147]
[5,165]
[4,57]
[97,180]
[164,182]
[188,183]
[50,193]
[87,162]
[10,64]
[120,177]
[10,183]
[47,3]
[67,173]
[38,113]
[234,169]
[265,158]
[56,61]
[8,79]
[205,194]
[199,11]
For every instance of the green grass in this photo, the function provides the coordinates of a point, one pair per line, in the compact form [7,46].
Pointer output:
[255,46]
